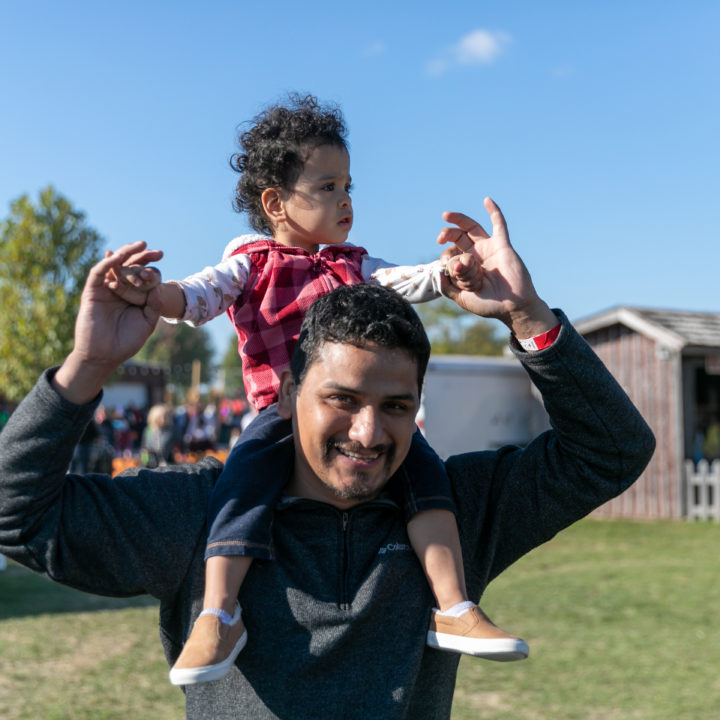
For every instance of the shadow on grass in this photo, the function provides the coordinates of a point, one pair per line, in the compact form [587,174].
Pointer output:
[24,593]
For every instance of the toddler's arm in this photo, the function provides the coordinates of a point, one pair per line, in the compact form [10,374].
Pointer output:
[196,299]
[416,283]
[420,283]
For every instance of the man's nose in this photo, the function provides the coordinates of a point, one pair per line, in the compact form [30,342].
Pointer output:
[367,428]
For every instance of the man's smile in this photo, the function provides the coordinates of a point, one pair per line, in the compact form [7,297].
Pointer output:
[358,454]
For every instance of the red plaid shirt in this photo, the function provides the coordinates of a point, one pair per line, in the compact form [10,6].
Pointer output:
[283,283]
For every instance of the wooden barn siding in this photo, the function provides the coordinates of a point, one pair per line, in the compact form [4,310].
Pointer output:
[650,382]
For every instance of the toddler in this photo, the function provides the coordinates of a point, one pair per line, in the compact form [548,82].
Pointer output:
[295,187]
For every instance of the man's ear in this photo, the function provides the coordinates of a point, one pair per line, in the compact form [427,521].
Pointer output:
[273,202]
[286,395]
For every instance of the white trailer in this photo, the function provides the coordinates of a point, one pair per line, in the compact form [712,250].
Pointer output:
[478,403]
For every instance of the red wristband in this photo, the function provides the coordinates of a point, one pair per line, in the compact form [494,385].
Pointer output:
[540,342]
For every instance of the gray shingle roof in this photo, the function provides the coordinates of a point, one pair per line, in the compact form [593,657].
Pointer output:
[694,327]
[674,328]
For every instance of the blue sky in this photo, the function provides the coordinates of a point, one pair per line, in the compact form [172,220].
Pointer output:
[595,126]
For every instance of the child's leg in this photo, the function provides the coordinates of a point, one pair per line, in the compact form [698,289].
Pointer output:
[434,537]
[241,507]
[240,512]
[224,575]
[459,625]
[242,504]
[428,504]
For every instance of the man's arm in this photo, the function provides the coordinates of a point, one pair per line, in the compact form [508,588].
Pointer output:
[512,500]
[120,536]
[515,499]
[131,534]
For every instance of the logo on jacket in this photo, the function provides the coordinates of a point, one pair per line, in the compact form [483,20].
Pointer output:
[394,547]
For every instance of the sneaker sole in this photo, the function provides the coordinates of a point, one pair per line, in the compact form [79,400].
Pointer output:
[192,676]
[497,649]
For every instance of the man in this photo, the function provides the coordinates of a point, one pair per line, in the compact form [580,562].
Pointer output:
[337,622]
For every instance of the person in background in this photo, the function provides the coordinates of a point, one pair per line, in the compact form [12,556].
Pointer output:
[158,441]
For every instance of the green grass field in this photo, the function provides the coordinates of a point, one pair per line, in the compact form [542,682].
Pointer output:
[621,619]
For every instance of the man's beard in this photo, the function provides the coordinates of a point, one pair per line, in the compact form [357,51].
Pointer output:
[353,493]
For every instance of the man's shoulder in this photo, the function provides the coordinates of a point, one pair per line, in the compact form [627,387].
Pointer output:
[471,473]
[200,475]
[475,465]
[476,479]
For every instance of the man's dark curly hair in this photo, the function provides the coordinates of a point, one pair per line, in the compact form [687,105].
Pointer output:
[275,148]
[360,315]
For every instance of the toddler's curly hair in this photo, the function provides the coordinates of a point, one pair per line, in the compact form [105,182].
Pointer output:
[275,148]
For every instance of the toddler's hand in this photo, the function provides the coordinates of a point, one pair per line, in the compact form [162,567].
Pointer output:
[464,270]
[134,283]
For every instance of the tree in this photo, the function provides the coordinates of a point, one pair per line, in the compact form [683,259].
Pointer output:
[177,346]
[231,367]
[453,331]
[46,252]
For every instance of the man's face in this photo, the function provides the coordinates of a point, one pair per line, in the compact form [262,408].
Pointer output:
[353,419]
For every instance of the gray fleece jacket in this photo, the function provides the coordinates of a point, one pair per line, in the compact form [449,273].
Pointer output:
[337,622]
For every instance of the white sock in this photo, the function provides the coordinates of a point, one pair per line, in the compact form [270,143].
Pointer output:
[224,616]
[457,610]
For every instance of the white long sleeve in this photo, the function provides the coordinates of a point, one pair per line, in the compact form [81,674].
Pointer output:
[416,283]
[213,290]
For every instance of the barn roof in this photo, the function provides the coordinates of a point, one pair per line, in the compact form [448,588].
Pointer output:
[675,329]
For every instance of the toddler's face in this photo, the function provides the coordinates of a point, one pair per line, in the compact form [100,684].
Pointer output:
[319,210]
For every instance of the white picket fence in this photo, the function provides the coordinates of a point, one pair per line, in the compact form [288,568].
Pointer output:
[703,490]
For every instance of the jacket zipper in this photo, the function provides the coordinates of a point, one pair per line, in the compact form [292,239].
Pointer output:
[344,599]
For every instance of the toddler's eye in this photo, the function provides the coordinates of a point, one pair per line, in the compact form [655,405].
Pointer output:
[329,187]
[349,188]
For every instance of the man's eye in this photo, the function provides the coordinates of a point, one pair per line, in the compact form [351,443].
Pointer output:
[396,407]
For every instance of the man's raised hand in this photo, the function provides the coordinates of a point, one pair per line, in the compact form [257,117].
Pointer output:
[108,329]
[506,291]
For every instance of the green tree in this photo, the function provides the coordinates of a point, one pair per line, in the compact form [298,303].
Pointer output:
[46,252]
[453,331]
[177,346]
[231,366]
